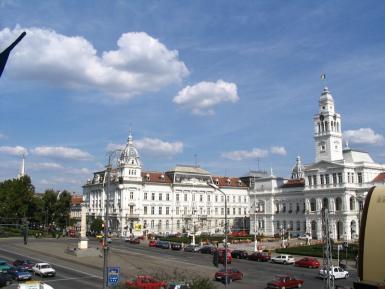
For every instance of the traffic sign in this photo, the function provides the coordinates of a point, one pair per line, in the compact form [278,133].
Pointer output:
[113,276]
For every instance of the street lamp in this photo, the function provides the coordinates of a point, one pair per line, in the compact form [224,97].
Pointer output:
[225,253]
[256,227]
[107,192]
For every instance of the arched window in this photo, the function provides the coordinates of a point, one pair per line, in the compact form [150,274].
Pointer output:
[312,205]
[338,204]
[325,203]
[352,203]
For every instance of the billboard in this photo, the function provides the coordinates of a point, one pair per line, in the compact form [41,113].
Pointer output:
[372,238]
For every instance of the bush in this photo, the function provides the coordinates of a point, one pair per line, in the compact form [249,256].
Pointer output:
[317,251]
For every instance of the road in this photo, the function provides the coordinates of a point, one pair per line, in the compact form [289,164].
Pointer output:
[86,272]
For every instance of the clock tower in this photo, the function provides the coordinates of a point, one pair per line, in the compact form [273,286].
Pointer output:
[130,168]
[327,127]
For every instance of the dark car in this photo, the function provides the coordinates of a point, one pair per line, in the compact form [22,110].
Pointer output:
[232,274]
[5,279]
[20,274]
[25,264]
[163,244]
[207,249]
[191,248]
[260,257]
[239,254]
[134,240]
[176,246]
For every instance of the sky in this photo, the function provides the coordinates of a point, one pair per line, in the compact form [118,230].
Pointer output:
[230,86]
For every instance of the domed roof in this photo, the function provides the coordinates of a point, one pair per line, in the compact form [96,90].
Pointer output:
[129,152]
[326,95]
[297,171]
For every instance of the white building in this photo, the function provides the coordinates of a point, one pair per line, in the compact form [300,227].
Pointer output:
[339,179]
[175,201]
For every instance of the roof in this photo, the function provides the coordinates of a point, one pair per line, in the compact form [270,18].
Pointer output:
[228,182]
[294,183]
[380,178]
[189,169]
[76,199]
[356,156]
[156,177]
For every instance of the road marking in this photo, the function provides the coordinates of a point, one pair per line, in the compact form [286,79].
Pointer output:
[66,279]
[56,265]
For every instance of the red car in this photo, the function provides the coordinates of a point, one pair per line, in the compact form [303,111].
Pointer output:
[260,257]
[152,243]
[221,259]
[308,262]
[234,274]
[145,282]
[284,281]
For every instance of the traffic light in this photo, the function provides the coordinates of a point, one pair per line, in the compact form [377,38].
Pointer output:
[215,258]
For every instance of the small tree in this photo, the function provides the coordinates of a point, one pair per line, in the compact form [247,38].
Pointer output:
[96,225]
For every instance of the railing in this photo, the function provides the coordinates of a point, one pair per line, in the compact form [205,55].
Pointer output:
[132,216]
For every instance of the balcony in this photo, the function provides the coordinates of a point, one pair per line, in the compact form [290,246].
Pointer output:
[186,217]
[131,216]
[202,217]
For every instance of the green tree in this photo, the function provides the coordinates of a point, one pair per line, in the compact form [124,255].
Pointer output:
[62,209]
[96,225]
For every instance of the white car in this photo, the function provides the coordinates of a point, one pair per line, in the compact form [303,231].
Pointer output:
[283,259]
[34,285]
[305,237]
[43,269]
[335,273]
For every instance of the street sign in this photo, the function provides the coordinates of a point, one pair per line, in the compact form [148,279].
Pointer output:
[113,276]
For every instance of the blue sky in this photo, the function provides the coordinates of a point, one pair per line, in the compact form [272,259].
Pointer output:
[235,83]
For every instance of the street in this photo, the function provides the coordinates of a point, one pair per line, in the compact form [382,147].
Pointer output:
[86,272]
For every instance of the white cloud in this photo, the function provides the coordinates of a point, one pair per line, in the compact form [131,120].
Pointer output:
[14,151]
[241,155]
[45,166]
[60,181]
[3,136]
[363,136]
[62,153]
[278,150]
[158,147]
[113,147]
[140,64]
[202,97]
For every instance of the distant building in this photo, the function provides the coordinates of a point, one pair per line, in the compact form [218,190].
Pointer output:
[75,210]
[175,201]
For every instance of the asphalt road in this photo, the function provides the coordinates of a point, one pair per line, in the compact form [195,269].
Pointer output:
[138,258]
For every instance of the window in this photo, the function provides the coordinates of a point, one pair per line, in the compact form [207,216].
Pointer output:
[145,196]
[145,210]
[222,199]
[312,205]
[327,179]
[208,198]
[340,178]
[233,199]
[338,204]
[153,196]
[177,211]
[185,210]
[298,226]
[185,197]
[222,211]
[152,210]
[167,210]
[160,210]
[177,197]
[216,211]
[131,195]
[178,224]
[193,197]
[167,224]
[239,211]
[152,224]
[321,179]
[359,176]
[314,180]
[234,211]
[352,203]
[201,198]
[167,197]
[309,180]
[160,196]
[216,198]
[334,178]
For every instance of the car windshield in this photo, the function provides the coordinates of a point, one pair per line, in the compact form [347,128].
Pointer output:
[45,266]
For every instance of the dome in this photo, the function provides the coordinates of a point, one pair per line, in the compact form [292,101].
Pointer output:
[326,95]
[297,172]
[130,154]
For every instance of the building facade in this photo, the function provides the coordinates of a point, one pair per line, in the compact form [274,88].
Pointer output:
[338,180]
[176,201]
[180,200]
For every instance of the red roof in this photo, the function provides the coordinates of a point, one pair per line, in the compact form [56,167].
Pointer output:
[156,177]
[228,182]
[76,199]
[294,183]
[380,178]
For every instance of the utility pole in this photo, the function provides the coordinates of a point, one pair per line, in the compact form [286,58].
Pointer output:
[327,250]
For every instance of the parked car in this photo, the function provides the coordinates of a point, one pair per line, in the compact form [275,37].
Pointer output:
[134,240]
[4,266]
[43,269]
[232,273]
[207,249]
[152,243]
[191,248]
[259,256]
[305,237]
[309,262]
[178,285]
[163,244]
[25,264]
[145,282]
[285,281]
[34,284]
[335,272]
[239,254]
[5,279]
[176,246]
[283,259]
[20,274]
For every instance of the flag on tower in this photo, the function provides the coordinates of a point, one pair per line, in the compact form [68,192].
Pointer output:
[323,76]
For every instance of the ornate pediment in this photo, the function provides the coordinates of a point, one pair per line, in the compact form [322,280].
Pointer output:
[323,165]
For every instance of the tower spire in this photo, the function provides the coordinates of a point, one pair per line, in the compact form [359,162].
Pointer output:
[22,167]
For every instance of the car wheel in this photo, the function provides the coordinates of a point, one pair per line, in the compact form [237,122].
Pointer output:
[299,285]
[283,287]
[284,262]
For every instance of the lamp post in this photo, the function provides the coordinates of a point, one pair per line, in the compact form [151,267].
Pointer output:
[225,253]
[256,227]
[107,192]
